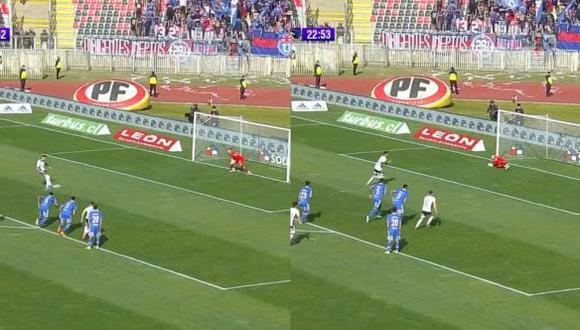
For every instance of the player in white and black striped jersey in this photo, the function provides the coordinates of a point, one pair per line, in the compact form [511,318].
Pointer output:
[428,210]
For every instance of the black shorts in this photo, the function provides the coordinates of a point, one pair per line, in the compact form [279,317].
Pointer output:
[427,214]
[377,172]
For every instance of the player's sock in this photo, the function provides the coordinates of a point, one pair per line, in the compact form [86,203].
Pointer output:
[372,214]
[48,182]
[419,222]
[370,180]
[397,246]
[430,219]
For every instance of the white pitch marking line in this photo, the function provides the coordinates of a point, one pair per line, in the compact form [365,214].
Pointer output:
[87,150]
[15,227]
[307,124]
[425,261]
[470,186]
[11,126]
[314,231]
[165,185]
[125,146]
[256,284]
[554,291]
[434,147]
[389,150]
[127,257]
[119,144]
[281,211]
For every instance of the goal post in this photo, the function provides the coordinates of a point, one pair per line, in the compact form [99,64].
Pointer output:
[266,148]
[528,136]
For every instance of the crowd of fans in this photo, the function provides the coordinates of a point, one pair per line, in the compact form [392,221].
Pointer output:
[513,17]
[230,22]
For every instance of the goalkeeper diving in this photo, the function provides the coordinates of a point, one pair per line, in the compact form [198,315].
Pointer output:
[237,162]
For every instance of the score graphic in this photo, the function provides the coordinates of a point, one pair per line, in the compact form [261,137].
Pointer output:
[5,34]
[317,34]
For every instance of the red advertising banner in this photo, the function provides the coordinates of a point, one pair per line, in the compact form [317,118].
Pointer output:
[147,139]
[455,140]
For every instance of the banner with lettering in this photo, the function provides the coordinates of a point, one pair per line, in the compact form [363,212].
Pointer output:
[141,47]
[429,40]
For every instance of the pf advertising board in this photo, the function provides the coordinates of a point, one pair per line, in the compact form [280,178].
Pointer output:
[114,93]
[420,91]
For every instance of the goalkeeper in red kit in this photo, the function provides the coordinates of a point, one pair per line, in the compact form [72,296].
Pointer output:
[498,161]
[237,162]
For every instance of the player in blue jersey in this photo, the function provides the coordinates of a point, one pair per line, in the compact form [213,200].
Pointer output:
[67,210]
[304,197]
[377,194]
[399,197]
[394,231]
[95,221]
[44,204]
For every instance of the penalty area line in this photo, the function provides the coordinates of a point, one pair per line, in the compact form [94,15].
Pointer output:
[545,293]
[83,151]
[387,149]
[124,256]
[253,285]
[475,277]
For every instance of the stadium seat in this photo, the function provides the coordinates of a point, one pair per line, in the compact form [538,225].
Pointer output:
[406,19]
[400,19]
[405,26]
[398,26]
[380,18]
[412,26]
[376,5]
[375,12]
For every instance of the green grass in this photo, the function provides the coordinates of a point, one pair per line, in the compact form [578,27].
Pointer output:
[189,218]
[494,225]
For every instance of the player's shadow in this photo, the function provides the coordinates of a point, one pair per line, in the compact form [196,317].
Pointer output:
[313,216]
[387,180]
[74,226]
[407,218]
[50,221]
[299,238]
[103,240]
[402,243]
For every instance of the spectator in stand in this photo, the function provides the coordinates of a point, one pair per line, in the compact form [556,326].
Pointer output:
[340,32]
[44,39]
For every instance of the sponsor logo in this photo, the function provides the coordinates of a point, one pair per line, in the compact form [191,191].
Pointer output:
[426,92]
[456,140]
[114,93]
[376,123]
[211,151]
[75,124]
[483,44]
[273,158]
[15,108]
[516,150]
[154,141]
[309,106]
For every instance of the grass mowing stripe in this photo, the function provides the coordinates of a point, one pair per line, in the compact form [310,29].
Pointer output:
[375,151]
[166,185]
[145,263]
[468,186]
[433,147]
[475,277]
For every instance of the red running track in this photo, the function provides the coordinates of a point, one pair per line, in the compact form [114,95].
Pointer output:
[259,96]
[469,90]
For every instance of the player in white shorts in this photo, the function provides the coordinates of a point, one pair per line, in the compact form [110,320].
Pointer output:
[42,169]
[294,218]
[429,208]
[85,219]
[378,169]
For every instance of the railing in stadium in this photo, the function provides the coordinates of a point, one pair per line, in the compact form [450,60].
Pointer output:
[334,57]
[41,62]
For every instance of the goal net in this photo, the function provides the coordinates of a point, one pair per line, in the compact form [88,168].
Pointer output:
[527,136]
[266,148]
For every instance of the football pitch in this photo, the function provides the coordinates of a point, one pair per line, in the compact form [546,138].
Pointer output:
[503,254]
[190,246]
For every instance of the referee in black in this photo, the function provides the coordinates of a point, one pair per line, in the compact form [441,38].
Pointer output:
[243,86]
[58,67]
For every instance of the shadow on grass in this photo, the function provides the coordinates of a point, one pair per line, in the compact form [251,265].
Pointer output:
[313,216]
[299,238]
